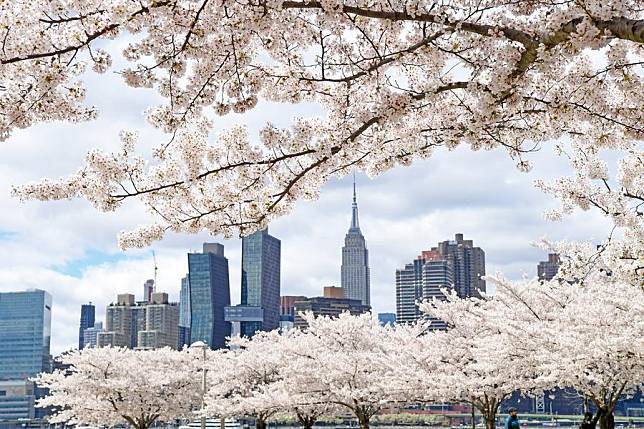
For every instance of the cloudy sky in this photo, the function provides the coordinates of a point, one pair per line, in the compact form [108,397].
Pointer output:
[69,249]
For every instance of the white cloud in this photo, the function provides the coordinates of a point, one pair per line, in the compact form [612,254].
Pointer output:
[402,212]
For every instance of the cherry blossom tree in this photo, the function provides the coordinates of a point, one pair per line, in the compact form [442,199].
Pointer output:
[112,386]
[604,321]
[395,80]
[619,197]
[586,335]
[347,362]
[304,405]
[242,380]
[485,355]
[601,352]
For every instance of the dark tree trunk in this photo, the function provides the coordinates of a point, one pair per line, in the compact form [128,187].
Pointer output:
[308,422]
[260,424]
[491,409]
[364,421]
[490,421]
[141,423]
[607,421]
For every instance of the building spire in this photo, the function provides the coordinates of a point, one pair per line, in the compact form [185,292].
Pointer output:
[354,207]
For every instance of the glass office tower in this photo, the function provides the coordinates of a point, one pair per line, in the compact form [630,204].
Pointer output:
[209,294]
[184,313]
[260,280]
[25,332]
[88,315]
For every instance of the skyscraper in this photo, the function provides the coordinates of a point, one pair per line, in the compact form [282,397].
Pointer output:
[184,313]
[88,314]
[123,321]
[437,275]
[148,290]
[145,325]
[260,280]
[468,265]
[209,294]
[547,270]
[453,264]
[25,334]
[355,260]
[90,337]
[161,323]
[409,287]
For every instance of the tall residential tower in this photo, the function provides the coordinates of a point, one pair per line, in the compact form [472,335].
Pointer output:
[453,264]
[25,332]
[468,265]
[355,260]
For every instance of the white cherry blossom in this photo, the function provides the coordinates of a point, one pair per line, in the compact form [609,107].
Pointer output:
[396,79]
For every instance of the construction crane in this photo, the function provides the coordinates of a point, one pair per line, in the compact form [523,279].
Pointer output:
[154,258]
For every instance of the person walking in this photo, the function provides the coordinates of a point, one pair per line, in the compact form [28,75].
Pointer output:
[512,421]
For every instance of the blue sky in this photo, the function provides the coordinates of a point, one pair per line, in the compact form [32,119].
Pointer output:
[70,249]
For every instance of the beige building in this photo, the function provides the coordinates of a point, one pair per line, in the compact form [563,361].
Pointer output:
[333,292]
[142,325]
[161,324]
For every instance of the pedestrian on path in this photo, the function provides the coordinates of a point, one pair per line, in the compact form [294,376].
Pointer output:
[512,421]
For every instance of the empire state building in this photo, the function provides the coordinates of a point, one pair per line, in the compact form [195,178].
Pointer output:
[355,260]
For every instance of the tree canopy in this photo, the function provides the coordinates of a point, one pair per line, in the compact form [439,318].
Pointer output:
[395,79]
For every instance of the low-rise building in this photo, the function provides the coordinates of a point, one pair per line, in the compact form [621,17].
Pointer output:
[333,307]
[90,335]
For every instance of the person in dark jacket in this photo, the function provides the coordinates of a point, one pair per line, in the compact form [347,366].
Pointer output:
[590,421]
[512,421]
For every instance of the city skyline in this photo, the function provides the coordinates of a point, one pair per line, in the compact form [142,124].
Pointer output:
[217,248]
[76,258]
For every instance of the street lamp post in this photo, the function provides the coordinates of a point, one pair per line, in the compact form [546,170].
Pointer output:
[203,346]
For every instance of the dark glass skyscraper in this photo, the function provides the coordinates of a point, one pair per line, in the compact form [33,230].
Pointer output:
[355,260]
[184,313]
[260,280]
[25,333]
[209,294]
[88,314]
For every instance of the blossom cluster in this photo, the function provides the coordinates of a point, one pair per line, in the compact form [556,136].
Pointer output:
[396,79]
